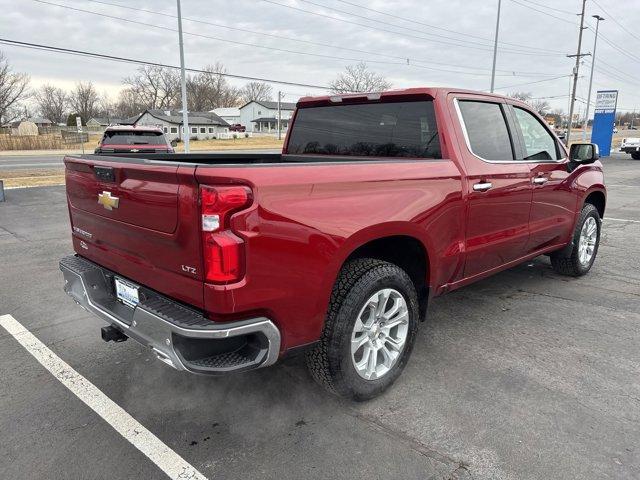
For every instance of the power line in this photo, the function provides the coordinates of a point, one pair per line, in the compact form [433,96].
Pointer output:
[296,52]
[615,20]
[380,12]
[402,33]
[567,12]
[70,51]
[309,42]
[542,11]
[530,83]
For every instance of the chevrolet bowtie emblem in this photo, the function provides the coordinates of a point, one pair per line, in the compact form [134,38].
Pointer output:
[107,201]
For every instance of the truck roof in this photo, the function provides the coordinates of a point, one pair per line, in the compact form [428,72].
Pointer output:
[406,93]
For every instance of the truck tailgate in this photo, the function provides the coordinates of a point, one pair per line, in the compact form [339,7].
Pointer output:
[138,221]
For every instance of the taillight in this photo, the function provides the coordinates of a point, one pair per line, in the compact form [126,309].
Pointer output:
[223,250]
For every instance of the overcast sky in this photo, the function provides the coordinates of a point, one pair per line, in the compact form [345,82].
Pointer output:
[444,42]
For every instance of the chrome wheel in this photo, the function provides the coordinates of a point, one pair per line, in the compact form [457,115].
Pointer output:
[379,334]
[587,241]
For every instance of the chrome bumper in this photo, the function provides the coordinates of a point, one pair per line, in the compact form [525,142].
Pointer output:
[179,336]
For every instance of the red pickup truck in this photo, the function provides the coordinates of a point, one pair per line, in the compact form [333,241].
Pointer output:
[378,203]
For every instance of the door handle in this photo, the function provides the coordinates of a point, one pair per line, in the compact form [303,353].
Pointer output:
[540,180]
[482,187]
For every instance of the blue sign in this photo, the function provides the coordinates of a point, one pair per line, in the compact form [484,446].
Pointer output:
[604,119]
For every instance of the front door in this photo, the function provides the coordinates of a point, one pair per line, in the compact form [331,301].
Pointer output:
[553,203]
[498,185]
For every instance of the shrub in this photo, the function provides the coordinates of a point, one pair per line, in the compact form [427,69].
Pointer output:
[235,135]
[246,135]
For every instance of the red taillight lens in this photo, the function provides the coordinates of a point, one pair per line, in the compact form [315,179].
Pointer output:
[223,250]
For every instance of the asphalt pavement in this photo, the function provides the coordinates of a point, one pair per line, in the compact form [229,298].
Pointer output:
[525,375]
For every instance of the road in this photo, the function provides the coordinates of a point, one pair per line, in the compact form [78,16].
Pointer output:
[10,162]
[524,375]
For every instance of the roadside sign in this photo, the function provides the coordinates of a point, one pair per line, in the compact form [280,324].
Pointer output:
[604,119]
[79,124]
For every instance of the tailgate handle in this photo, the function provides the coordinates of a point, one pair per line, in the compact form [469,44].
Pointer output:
[106,174]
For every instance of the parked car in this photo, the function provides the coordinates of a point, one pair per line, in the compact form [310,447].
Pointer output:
[133,139]
[378,203]
[236,127]
[631,145]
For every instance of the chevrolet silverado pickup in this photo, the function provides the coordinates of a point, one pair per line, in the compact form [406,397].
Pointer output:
[378,203]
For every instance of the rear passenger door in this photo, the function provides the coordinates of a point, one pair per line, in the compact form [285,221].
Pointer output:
[498,186]
[553,201]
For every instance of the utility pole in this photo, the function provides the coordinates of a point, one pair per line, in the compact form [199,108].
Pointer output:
[279,116]
[185,112]
[495,48]
[578,55]
[593,62]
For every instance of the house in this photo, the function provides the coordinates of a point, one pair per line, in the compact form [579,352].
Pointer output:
[231,115]
[262,116]
[98,122]
[202,125]
[40,122]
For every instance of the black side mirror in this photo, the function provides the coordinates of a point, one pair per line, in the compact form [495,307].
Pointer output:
[584,153]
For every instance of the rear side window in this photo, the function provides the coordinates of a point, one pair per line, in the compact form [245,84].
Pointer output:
[398,129]
[486,129]
[122,137]
[538,141]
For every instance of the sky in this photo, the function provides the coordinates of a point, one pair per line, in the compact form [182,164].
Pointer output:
[410,42]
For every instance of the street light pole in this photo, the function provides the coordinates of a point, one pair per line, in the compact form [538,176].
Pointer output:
[495,49]
[185,113]
[593,62]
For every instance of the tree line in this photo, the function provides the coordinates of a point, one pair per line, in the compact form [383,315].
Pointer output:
[150,87]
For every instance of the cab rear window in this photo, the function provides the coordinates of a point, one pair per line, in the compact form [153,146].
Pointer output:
[394,129]
[133,138]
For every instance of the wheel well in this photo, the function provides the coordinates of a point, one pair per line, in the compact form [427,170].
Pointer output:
[406,252]
[597,200]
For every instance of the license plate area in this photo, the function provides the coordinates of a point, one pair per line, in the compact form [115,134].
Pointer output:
[127,292]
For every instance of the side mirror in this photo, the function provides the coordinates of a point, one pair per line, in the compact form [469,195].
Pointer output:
[584,153]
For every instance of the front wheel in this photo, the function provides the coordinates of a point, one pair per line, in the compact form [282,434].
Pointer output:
[369,330]
[578,257]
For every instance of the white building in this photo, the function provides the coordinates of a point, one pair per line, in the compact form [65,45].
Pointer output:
[202,125]
[262,116]
[231,115]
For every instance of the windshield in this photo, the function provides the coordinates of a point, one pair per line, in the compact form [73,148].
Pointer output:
[390,129]
[123,137]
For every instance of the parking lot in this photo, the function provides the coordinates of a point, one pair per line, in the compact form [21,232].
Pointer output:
[525,375]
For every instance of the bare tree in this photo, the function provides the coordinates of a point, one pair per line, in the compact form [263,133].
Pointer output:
[85,100]
[155,87]
[128,104]
[539,105]
[210,89]
[13,89]
[52,103]
[358,78]
[256,91]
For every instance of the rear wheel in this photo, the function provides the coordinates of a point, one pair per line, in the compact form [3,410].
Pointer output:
[369,330]
[577,258]
[635,155]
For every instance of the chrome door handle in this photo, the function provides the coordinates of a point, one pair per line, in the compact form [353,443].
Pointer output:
[482,187]
[540,180]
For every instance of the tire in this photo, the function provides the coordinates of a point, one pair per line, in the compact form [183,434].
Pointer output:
[332,363]
[569,261]
[635,155]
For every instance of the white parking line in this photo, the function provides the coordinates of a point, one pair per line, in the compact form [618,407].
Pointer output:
[164,457]
[621,220]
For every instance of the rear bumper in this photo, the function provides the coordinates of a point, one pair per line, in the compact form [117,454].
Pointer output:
[179,336]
